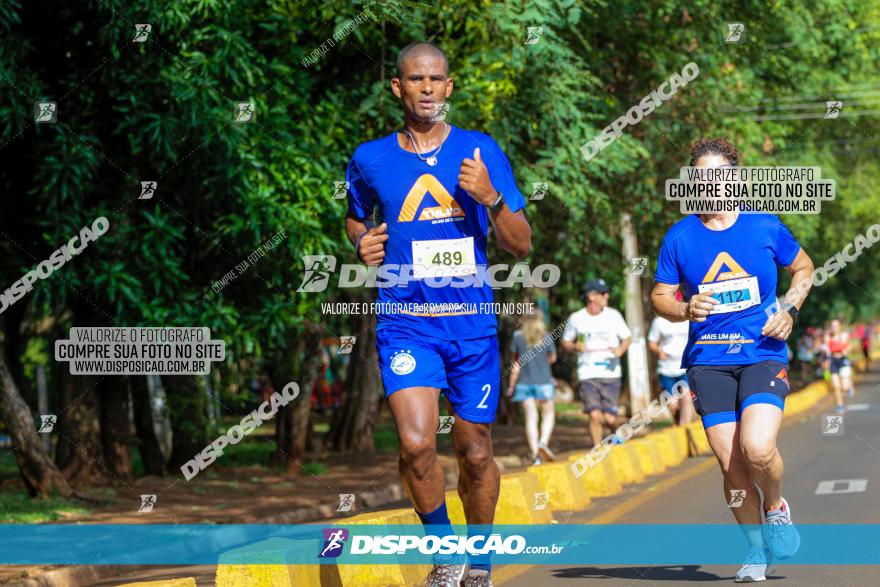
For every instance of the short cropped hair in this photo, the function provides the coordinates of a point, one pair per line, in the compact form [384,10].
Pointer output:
[417,50]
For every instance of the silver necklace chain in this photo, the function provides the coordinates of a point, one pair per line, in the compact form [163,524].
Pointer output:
[437,152]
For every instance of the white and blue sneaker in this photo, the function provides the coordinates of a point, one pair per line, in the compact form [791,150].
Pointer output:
[780,534]
[759,564]
[478,578]
[446,575]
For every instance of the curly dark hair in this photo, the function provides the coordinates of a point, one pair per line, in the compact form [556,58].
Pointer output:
[717,146]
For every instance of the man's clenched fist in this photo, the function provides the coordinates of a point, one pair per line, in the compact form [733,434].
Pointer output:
[473,176]
[371,245]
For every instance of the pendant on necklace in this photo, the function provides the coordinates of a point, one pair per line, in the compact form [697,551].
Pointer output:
[432,161]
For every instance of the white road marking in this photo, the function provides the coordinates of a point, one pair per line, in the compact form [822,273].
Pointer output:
[841,486]
[858,407]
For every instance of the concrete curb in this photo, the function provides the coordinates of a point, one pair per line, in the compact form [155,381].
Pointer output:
[629,463]
[186,582]
[563,490]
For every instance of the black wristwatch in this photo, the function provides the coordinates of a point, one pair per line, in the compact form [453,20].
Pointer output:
[498,205]
[793,312]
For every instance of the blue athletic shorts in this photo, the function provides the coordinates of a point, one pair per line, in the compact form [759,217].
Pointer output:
[524,391]
[668,382]
[468,371]
[722,392]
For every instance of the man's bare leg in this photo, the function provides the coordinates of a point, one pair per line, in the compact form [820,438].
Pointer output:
[479,479]
[611,422]
[416,413]
[596,426]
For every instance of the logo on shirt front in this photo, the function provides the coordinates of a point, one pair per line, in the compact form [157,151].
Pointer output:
[426,185]
[724,260]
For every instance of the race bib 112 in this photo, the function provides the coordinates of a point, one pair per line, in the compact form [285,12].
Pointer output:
[734,294]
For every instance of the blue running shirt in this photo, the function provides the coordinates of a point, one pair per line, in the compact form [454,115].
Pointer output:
[435,228]
[740,266]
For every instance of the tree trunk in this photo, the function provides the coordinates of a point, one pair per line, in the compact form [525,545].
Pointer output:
[116,426]
[148,442]
[39,474]
[283,418]
[79,453]
[15,343]
[189,426]
[352,427]
[293,424]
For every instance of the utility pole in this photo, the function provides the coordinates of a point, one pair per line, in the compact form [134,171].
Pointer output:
[637,355]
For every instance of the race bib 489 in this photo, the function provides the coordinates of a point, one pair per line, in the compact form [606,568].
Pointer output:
[444,258]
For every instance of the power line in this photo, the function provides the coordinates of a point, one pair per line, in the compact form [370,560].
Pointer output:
[842,114]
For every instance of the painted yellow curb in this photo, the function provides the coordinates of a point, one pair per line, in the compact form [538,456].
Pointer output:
[678,436]
[613,485]
[699,442]
[667,452]
[281,575]
[558,482]
[378,575]
[455,507]
[517,501]
[649,455]
[271,571]
[599,480]
[626,464]
[187,582]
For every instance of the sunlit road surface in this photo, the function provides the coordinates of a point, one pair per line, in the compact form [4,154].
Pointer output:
[693,494]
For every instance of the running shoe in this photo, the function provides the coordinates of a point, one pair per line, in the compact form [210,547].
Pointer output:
[780,534]
[546,454]
[757,566]
[840,409]
[537,461]
[478,578]
[446,575]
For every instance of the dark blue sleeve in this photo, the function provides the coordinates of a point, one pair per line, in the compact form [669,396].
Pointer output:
[786,248]
[667,266]
[361,200]
[500,172]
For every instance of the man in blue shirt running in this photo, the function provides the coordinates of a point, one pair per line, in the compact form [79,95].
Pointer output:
[726,266]
[437,188]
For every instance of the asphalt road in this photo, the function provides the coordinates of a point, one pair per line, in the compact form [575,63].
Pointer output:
[692,494]
[810,458]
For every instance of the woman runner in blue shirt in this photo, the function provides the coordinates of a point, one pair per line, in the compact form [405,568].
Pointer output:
[726,266]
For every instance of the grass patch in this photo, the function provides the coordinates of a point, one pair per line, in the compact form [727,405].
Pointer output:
[18,508]
[247,454]
[314,468]
[8,468]
[569,408]
[385,437]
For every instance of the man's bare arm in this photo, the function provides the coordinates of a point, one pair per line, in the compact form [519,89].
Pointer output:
[369,240]
[513,231]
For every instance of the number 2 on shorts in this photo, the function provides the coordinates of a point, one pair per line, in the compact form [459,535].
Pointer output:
[488,389]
